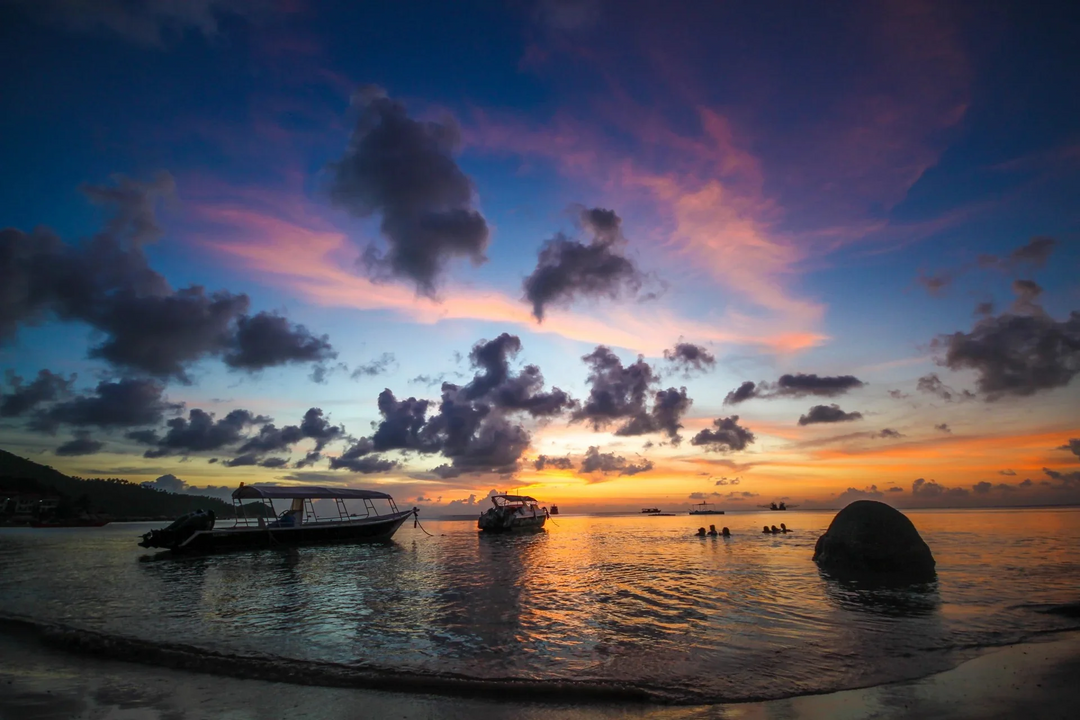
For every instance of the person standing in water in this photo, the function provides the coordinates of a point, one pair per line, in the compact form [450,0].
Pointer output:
[712,531]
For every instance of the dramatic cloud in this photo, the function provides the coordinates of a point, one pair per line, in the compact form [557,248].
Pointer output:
[45,388]
[1068,479]
[931,489]
[616,392]
[932,384]
[124,403]
[1034,254]
[985,488]
[378,366]
[271,438]
[144,324]
[606,463]
[1016,354]
[688,357]
[744,392]
[199,432]
[795,386]
[404,170]
[557,463]
[889,433]
[894,489]
[567,269]
[870,492]
[267,340]
[828,414]
[943,427]
[726,435]
[473,425]
[1072,446]
[81,444]
[667,409]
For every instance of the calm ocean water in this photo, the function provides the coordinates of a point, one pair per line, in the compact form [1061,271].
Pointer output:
[630,599]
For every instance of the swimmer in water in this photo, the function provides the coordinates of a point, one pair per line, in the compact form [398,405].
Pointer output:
[701,532]
[725,532]
[712,531]
[784,528]
[775,530]
[764,529]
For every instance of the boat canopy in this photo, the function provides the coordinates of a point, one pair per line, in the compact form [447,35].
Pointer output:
[246,492]
[512,499]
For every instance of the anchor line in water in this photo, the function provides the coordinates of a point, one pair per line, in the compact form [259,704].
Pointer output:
[416,521]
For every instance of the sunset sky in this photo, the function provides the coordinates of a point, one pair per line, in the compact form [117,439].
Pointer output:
[612,254]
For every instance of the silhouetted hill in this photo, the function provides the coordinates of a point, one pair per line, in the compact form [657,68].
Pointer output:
[114,497]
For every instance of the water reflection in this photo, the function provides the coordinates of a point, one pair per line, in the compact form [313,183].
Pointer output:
[637,600]
[884,596]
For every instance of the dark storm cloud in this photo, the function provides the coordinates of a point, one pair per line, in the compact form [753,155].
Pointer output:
[726,435]
[667,410]
[268,340]
[378,366]
[308,460]
[932,385]
[243,461]
[1035,254]
[795,386]
[274,462]
[366,465]
[497,384]
[472,425]
[129,402]
[271,438]
[744,392]
[558,463]
[616,392]
[1016,353]
[567,269]
[688,356]
[1072,446]
[932,489]
[404,170]
[801,385]
[144,324]
[828,414]
[606,463]
[21,397]
[1068,479]
[198,432]
[81,444]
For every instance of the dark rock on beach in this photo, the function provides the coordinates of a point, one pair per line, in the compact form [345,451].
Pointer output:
[871,538]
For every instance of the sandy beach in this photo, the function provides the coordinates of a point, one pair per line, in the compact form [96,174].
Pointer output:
[40,683]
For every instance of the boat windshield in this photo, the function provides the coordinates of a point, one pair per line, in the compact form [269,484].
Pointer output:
[254,505]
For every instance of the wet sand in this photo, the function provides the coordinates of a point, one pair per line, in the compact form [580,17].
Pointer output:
[40,683]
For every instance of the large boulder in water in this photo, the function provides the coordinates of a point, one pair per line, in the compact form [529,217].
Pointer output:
[871,538]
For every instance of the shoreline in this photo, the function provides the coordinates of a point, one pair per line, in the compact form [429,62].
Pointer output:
[42,681]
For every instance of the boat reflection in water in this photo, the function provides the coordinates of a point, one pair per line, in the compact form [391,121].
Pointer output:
[297,525]
[512,512]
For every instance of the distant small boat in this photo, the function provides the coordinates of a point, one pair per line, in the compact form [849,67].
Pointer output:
[554,509]
[512,512]
[774,506]
[650,511]
[705,508]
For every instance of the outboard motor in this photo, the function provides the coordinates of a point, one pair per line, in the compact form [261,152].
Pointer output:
[181,529]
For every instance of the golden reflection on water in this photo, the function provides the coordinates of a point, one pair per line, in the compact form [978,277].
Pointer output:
[629,598]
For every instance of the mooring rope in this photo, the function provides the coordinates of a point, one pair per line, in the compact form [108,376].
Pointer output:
[416,521]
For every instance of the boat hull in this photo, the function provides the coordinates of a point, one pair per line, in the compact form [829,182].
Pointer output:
[706,512]
[379,529]
[496,524]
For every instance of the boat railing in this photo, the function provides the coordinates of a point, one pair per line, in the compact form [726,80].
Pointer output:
[306,510]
